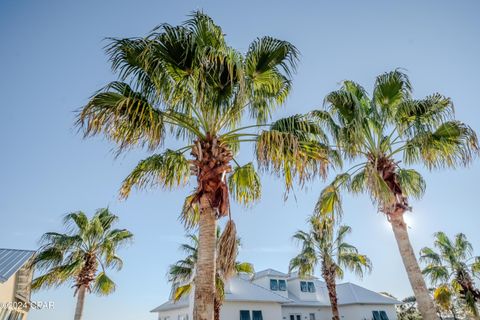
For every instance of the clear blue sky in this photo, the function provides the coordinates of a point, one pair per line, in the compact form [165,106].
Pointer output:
[51,61]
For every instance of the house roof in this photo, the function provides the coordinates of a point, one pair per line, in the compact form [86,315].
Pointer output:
[171,305]
[11,260]
[296,275]
[237,289]
[240,289]
[270,273]
[349,293]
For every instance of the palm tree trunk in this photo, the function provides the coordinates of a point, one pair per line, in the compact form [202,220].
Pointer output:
[218,307]
[452,309]
[80,302]
[329,276]
[424,301]
[203,306]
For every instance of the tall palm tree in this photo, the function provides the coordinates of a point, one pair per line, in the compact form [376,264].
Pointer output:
[381,133]
[324,245]
[187,82]
[81,255]
[182,273]
[453,268]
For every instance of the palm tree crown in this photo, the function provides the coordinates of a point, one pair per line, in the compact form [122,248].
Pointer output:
[83,254]
[389,128]
[187,82]
[380,134]
[452,268]
[324,245]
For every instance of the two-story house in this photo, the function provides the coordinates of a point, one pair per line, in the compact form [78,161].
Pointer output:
[274,295]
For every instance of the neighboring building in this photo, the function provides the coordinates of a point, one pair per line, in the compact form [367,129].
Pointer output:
[273,295]
[15,279]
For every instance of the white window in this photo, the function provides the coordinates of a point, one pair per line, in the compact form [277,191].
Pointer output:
[312,316]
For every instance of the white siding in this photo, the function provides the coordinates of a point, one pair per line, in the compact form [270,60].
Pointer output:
[270,310]
[364,312]
[174,314]
[322,313]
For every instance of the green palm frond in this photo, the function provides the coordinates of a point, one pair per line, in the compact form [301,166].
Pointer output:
[419,116]
[329,204]
[294,148]
[411,182]
[124,116]
[452,144]
[244,184]
[245,267]
[269,63]
[391,89]
[357,263]
[167,170]
[103,285]
[190,214]
[476,266]
[378,188]
[428,255]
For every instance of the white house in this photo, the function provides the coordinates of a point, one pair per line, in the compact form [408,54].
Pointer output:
[273,295]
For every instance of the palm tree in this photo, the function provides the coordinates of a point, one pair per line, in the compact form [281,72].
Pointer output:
[187,82]
[379,135]
[81,255]
[452,267]
[182,273]
[324,245]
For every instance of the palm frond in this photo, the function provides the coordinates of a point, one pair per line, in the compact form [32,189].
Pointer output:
[244,184]
[181,291]
[227,250]
[294,148]
[168,170]
[103,285]
[391,89]
[411,182]
[452,144]
[190,214]
[269,64]
[123,116]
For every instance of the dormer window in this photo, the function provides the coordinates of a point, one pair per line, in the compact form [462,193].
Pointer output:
[274,284]
[278,285]
[282,285]
[307,286]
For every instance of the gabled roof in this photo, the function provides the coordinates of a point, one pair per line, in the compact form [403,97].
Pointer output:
[349,293]
[12,260]
[270,273]
[171,305]
[240,289]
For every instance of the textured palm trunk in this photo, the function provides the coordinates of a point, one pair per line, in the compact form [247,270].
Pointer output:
[82,290]
[218,307]
[417,282]
[452,309]
[329,275]
[204,299]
